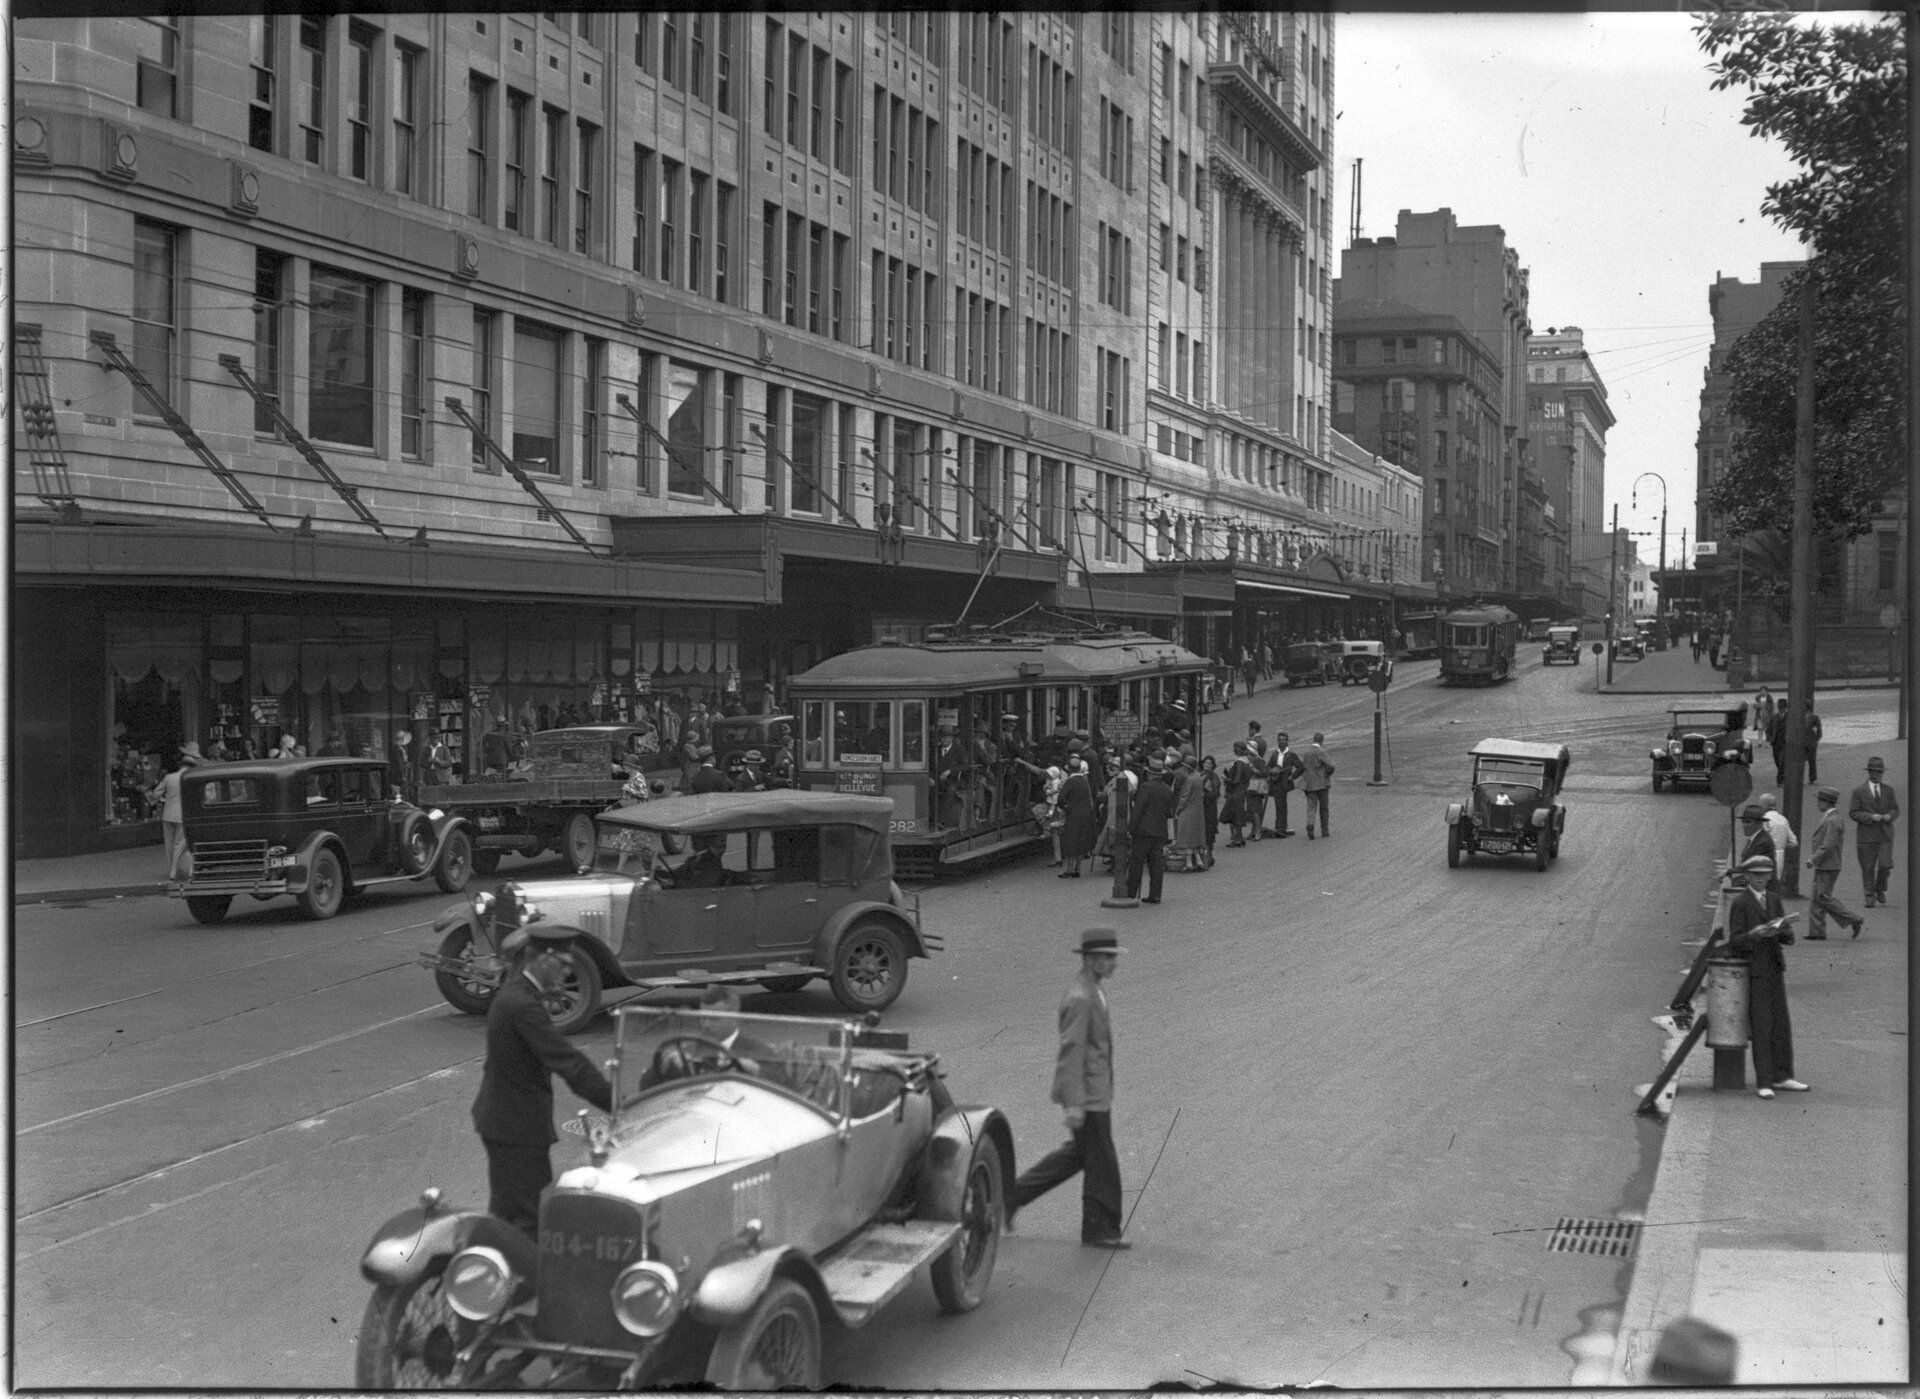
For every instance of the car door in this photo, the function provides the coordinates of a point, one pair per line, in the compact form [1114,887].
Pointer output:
[694,914]
[787,891]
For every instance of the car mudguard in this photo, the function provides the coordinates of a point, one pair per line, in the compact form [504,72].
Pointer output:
[1453,813]
[303,860]
[444,825]
[406,1246]
[732,1289]
[1539,817]
[943,1169]
[1559,819]
[831,930]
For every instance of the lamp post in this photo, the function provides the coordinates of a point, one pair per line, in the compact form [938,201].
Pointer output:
[1660,598]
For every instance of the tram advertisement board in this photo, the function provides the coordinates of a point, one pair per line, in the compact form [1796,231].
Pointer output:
[1120,729]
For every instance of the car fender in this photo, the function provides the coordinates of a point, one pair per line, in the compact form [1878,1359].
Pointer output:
[1539,817]
[1454,810]
[406,1246]
[732,1289]
[480,929]
[831,931]
[1559,819]
[303,859]
[943,1170]
[444,825]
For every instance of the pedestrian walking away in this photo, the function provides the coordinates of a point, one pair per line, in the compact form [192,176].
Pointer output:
[1317,779]
[1757,928]
[1083,1087]
[1148,832]
[513,1112]
[1874,808]
[172,822]
[1827,843]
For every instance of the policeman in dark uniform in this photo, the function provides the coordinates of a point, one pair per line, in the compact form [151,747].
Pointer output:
[514,1110]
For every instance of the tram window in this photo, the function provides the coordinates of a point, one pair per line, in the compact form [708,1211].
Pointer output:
[862,726]
[913,733]
[813,733]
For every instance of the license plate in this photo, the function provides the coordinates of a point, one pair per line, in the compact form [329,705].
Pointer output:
[489,823]
[1496,845]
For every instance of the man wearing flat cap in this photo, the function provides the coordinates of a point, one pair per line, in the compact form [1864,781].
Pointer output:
[513,1112]
[1873,809]
[1757,929]
[1827,842]
[1083,1087]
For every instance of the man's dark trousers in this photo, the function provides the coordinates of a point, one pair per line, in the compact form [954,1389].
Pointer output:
[1280,821]
[516,1175]
[1089,1149]
[1149,856]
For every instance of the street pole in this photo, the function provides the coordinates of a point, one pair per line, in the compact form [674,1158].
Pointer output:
[1613,586]
[1660,597]
[1800,627]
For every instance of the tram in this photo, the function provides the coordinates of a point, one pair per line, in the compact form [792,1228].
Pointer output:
[1477,645]
[935,724]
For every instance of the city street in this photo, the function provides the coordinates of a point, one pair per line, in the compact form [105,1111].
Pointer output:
[1356,1090]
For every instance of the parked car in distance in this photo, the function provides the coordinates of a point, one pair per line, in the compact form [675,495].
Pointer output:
[1513,807]
[1700,738]
[763,1185]
[1308,663]
[1563,644]
[318,829]
[771,888]
[1538,628]
[1359,659]
[1629,647]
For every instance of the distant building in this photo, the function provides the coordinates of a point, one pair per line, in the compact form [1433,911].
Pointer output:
[1567,406]
[1736,307]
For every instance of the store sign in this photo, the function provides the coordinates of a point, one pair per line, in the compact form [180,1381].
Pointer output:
[1706,548]
[862,782]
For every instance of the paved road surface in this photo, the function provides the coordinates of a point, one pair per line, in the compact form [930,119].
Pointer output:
[1356,1093]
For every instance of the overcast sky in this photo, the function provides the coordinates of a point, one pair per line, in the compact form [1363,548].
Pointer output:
[1625,184]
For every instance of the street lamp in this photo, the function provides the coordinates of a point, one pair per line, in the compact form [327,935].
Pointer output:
[1660,598]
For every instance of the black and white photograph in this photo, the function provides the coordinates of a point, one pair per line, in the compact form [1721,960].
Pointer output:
[660,664]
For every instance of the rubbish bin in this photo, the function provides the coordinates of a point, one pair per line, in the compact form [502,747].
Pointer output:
[1727,1002]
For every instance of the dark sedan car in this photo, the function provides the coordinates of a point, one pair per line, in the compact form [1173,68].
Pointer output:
[1701,738]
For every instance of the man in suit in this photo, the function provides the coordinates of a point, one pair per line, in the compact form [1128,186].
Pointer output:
[514,1110]
[1287,770]
[1874,808]
[1083,1087]
[1828,840]
[1147,832]
[1261,785]
[1317,778]
[706,777]
[1755,838]
[1810,740]
[1756,931]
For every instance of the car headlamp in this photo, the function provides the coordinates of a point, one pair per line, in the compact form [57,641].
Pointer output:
[1673,745]
[479,1283]
[645,1297]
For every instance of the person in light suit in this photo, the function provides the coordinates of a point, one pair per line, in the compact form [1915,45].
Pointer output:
[1874,808]
[1083,1087]
[1828,840]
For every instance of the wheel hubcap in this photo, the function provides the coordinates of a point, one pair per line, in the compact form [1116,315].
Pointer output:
[780,1356]
[868,969]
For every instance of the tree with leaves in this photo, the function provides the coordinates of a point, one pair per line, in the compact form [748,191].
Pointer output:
[1835,98]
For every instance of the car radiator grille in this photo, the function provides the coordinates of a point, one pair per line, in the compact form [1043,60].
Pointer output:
[1500,817]
[585,1243]
[1693,747]
[238,862]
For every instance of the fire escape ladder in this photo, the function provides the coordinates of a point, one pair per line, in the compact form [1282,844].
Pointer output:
[699,474]
[116,357]
[512,467]
[345,489]
[804,474]
[33,391]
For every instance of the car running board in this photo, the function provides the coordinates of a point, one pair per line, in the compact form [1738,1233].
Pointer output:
[700,976]
[873,1267]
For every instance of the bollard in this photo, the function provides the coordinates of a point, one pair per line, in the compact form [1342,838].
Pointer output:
[1727,1000]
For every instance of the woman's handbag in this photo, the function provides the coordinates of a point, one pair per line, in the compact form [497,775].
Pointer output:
[1257,784]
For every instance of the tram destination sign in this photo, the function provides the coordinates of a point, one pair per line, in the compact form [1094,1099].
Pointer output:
[860,781]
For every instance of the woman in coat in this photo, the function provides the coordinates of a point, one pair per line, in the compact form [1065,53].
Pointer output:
[1079,826]
[1233,786]
[1189,821]
[1210,787]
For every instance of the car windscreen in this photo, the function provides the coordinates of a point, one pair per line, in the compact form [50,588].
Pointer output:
[1507,770]
[659,1047]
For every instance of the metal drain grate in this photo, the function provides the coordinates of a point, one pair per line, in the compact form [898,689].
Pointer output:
[1608,1237]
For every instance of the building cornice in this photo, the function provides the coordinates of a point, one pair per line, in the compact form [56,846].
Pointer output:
[1238,85]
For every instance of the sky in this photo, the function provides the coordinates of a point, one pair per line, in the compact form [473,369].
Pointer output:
[1623,181]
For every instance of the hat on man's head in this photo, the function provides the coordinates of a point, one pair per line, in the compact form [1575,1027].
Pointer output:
[1752,811]
[1875,765]
[190,752]
[1156,763]
[1827,794]
[1099,940]
[703,751]
[753,756]
[1757,864]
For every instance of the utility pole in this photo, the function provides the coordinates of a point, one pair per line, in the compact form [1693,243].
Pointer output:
[1800,626]
[1613,585]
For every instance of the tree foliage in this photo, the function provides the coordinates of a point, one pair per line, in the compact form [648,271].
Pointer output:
[1835,98]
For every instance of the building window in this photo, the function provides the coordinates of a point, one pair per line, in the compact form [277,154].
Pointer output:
[790,285]
[513,182]
[643,209]
[340,358]
[536,398]
[817,97]
[413,373]
[269,296]
[593,446]
[553,163]
[796,78]
[263,34]
[313,88]
[406,119]
[770,257]
[770,82]
[360,101]
[697,57]
[156,308]
[586,159]
[842,271]
[842,115]
[1887,561]
[697,185]
[807,449]
[723,63]
[670,172]
[484,354]
[722,240]
[670,49]
[157,65]
[479,144]
[816,274]
[686,427]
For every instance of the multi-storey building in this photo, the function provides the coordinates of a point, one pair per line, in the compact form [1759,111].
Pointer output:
[1735,308]
[1569,416]
[1437,266]
[449,372]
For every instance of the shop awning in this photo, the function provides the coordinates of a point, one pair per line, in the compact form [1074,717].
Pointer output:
[1292,588]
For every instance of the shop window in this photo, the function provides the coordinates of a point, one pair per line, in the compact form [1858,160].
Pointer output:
[154,662]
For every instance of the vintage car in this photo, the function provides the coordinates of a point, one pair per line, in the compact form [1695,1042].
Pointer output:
[774,888]
[763,1185]
[1513,809]
[741,733]
[1359,659]
[1628,646]
[1563,644]
[1700,738]
[316,828]
[1309,663]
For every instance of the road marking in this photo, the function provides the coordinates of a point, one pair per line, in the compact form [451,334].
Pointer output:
[229,1072]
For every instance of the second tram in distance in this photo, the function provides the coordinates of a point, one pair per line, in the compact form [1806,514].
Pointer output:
[934,725]
[1477,645]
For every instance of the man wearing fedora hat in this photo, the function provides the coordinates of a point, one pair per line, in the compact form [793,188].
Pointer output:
[1755,838]
[1083,1087]
[172,828]
[1148,829]
[1757,929]
[513,1112]
[1828,840]
[1874,808]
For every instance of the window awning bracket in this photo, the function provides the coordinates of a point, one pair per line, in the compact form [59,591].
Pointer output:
[699,475]
[345,489]
[512,468]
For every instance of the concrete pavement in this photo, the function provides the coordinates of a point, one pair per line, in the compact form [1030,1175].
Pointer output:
[1675,672]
